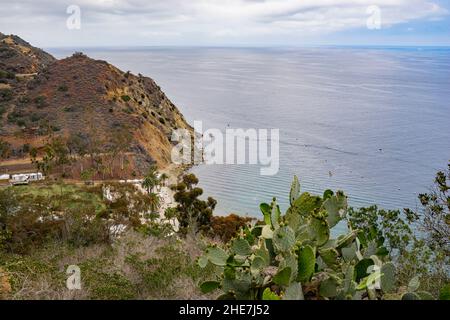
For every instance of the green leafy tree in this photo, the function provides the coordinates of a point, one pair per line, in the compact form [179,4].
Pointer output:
[193,213]
[120,142]
[87,175]
[389,229]
[55,155]
[78,148]
[61,152]
[417,242]
[429,255]
[435,219]
[5,149]
[45,164]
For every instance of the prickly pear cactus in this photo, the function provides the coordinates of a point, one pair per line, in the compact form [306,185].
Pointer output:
[293,257]
[284,239]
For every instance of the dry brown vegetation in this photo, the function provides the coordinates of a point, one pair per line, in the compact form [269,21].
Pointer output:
[226,228]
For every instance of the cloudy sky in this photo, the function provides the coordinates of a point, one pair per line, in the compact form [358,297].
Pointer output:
[227,22]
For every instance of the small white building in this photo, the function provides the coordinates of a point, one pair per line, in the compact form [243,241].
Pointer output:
[25,178]
[4,177]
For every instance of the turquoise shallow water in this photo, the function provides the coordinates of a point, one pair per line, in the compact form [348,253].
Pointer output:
[371,121]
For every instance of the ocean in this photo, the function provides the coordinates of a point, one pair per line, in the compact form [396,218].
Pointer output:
[374,122]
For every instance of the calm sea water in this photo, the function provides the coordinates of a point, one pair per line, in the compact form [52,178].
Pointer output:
[374,122]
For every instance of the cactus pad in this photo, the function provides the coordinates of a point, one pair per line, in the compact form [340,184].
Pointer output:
[388,281]
[295,190]
[217,256]
[241,247]
[284,239]
[306,263]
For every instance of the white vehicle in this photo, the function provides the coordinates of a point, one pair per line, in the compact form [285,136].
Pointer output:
[4,177]
[25,178]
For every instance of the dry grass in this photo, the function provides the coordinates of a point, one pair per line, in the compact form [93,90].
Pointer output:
[133,267]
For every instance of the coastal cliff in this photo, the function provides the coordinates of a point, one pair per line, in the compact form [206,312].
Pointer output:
[90,104]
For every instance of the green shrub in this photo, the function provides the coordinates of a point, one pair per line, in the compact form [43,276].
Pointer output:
[6,94]
[25,271]
[63,88]
[158,273]
[35,117]
[12,116]
[40,101]
[125,98]
[69,109]
[24,99]
[21,122]
[31,217]
[6,75]
[5,150]
[26,148]
[104,284]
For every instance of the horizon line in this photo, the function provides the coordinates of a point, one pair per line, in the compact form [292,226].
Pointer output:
[369,46]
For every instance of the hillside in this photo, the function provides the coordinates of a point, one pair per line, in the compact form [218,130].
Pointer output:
[19,57]
[95,107]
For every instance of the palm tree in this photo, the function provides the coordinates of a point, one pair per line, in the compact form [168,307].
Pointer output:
[154,203]
[151,179]
[163,178]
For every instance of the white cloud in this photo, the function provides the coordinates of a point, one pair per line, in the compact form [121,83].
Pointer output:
[201,21]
